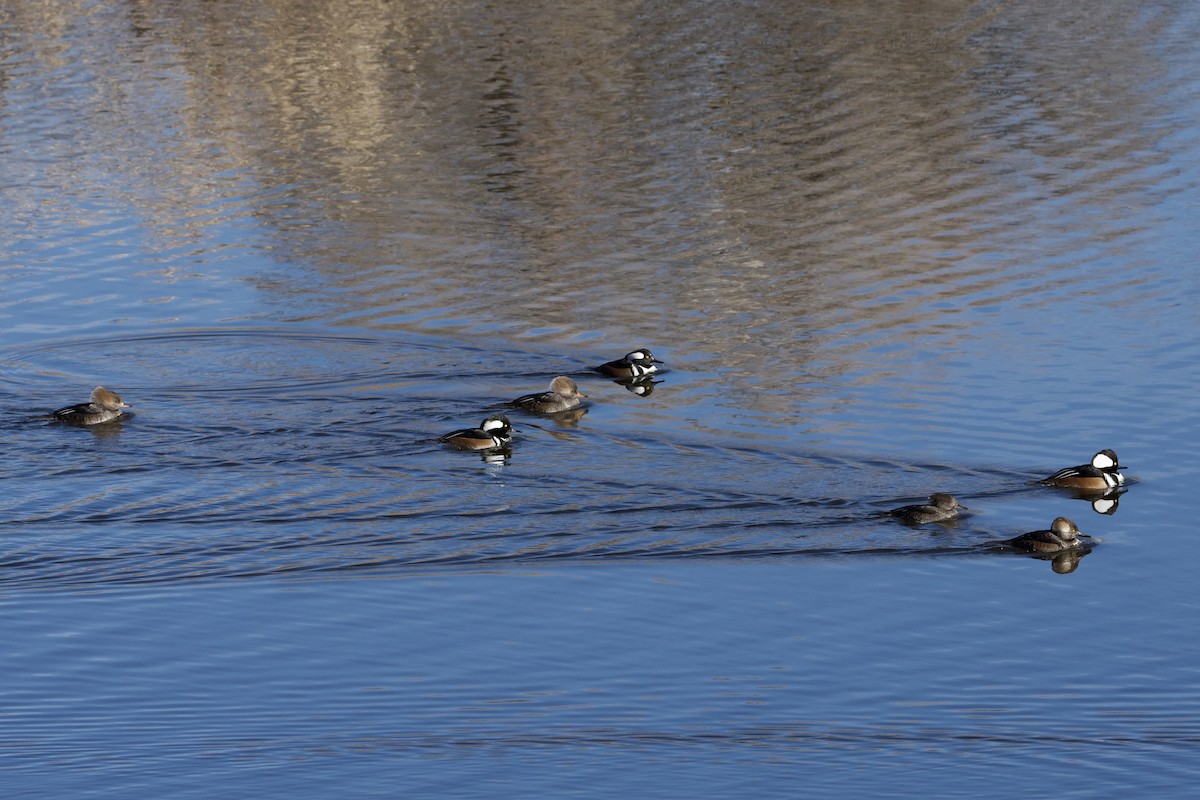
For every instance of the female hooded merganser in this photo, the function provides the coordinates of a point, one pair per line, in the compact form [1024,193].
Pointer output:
[1063,535]
[105,407]
[564,395]
[1100,475]
[631,365]
[941,507]
[495,431]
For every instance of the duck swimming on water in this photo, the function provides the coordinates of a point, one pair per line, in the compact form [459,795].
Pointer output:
[1100,475]
[941,507]
[495,431]
[1063,535]
[105,406]
[564,395]
[632,365]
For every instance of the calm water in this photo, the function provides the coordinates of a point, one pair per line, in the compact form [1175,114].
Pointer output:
[885,249]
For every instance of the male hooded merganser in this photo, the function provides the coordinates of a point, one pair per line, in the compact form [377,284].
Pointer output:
[564,395]
[1063,535]
[105,407]
[941,507]
[495,431]
[1100,475]
[631,365]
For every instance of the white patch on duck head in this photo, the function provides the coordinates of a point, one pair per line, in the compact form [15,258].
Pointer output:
[494,423]
[1105,459]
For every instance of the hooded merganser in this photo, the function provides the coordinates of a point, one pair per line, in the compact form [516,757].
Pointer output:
[631,365]
[104,407]
[495,431]
[941,507]
[564,395]
[1063,535]
[1100,475]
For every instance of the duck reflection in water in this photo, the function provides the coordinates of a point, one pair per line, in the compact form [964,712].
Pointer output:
[496,455]
[1105,504]
[1063,563]
[567,419]
[1066,562]
[642,387]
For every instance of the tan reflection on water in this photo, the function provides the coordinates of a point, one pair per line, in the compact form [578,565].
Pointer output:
[775,180]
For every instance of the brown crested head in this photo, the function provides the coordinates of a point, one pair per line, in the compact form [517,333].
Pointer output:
[943,500]
[1064,528]
[107,399]
[566,387]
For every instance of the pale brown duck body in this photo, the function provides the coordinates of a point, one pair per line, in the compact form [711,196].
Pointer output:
[1063,535]
[104,407]
[941,507]
[564,395]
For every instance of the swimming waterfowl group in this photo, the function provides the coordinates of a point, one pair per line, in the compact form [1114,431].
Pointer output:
[495,432]
[1100,477]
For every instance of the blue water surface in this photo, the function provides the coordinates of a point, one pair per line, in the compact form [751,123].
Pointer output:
[883,251]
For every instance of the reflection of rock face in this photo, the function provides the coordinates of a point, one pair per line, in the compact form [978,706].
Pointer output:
[806,185]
